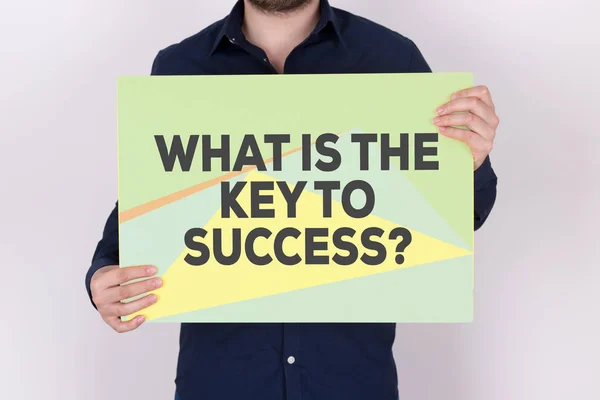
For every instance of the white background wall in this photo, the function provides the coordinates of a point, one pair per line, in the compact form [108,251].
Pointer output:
[537,282]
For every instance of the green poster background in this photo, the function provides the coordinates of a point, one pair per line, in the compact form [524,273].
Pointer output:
[440,204]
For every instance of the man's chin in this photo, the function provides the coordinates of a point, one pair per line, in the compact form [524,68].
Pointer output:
[279,6]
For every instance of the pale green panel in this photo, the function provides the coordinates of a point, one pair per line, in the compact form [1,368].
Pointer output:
[295,104]
[437,292]
[396,199]
[157,238]
[450,190]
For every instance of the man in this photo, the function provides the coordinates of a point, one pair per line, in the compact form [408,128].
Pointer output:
[290,361]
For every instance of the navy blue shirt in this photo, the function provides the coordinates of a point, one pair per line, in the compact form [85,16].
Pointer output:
[252,361]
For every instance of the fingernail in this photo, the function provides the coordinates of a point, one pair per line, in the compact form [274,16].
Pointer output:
[151,270]
[140,319]
[157,283]
[442,129]
[153,298]
[454,96]
[440,110]
[436,120]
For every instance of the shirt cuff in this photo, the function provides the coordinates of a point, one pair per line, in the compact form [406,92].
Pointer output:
[96,265]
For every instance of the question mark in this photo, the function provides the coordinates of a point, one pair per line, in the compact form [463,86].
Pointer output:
[406,240]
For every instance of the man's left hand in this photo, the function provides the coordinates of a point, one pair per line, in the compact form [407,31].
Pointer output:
[476,111]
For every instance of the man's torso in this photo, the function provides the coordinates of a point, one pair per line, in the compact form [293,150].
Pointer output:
[290,361]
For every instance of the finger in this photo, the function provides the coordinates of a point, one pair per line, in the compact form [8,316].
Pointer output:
[481,92]
[123,309]
[98,282]
[471,121]
[472,105]
[118,276]
[123,292]
[125,326]
[475,142]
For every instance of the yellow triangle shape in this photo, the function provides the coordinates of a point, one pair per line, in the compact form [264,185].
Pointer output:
[189,288]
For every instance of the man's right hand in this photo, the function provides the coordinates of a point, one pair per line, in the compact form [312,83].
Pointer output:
[108,291]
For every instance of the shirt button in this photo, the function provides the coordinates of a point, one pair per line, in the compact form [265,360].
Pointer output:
[265,59]
[291,360]
[232,40]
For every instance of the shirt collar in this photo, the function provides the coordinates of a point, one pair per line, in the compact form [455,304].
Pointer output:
[232,24]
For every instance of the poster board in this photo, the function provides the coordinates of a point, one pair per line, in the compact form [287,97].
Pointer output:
[296,198]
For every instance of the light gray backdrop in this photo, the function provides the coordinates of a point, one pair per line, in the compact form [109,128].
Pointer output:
[537,282]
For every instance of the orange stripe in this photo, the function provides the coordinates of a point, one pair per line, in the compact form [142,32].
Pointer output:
[152,205]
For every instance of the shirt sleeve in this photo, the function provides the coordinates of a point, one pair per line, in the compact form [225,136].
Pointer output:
[485,191]
[485,179]
[107,250]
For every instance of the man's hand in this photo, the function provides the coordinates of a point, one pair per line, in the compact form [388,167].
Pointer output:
[107,294]
[477,113]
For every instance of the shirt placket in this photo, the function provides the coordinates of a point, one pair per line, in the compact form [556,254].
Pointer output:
[254,51]
[292,361]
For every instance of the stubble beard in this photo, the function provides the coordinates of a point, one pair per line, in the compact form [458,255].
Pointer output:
[279,6]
